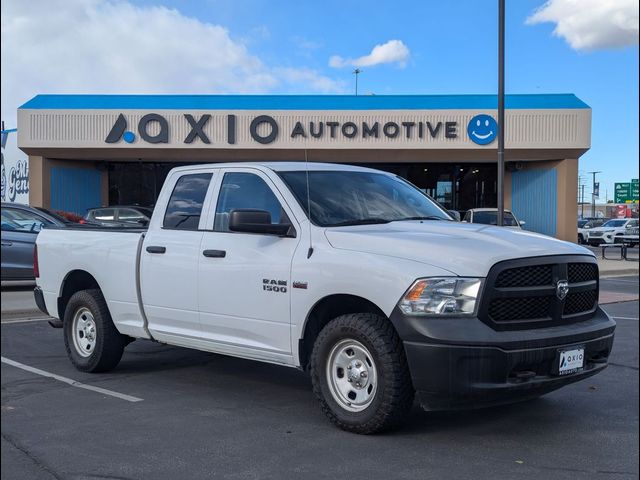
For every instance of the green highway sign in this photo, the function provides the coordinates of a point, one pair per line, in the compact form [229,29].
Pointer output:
[622,193]
[626,192]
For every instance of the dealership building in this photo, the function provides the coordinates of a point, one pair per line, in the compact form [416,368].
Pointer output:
[95,150]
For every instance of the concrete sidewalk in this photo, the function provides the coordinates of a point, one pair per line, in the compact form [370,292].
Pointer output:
[613,268]
[18,303]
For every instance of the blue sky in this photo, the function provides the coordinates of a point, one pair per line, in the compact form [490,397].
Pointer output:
[277,46]
[453,50]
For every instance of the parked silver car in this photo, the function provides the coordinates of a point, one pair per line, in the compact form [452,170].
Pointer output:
[20,227]
[489,216]
[119,215]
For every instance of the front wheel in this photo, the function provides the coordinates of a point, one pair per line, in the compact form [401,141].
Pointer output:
[360,373]
[92,342]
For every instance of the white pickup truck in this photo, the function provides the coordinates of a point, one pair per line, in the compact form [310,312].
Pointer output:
[349,273]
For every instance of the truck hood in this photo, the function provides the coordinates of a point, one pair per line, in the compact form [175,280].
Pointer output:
[465,249]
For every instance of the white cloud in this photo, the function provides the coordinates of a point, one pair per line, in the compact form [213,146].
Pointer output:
[591,24]
[394,51]
[109,46]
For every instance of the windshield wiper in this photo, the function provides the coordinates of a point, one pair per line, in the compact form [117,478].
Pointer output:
[362,221]
[428,217]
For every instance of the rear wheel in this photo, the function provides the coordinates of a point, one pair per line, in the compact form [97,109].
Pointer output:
[360,374]
[92,342]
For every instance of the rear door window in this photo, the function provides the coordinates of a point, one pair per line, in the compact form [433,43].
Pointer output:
[185,205]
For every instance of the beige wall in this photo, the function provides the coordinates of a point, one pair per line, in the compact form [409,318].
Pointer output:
[566,220]
[39,182]
[507,190]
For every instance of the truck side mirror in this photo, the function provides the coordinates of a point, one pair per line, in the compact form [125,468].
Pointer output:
[258,221]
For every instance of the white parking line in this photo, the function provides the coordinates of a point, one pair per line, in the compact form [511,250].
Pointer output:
[625,318]
[70,381]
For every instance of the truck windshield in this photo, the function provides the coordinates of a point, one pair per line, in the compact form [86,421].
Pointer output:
[614,223]
[340,198]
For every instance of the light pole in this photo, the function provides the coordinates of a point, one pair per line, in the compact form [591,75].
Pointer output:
[500,112]
[357,72]
[593,194]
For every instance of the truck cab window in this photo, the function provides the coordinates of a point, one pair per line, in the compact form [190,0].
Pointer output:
[245,190]
[185,205]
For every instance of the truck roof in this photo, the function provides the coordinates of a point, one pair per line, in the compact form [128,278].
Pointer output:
[283,166]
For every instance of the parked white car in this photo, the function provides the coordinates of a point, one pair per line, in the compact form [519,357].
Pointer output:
[585,225]
[348,273]
[617,230]
[489,216]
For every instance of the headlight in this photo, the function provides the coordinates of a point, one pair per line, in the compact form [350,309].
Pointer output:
[441,296]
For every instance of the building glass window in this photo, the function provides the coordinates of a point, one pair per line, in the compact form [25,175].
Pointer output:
[185,205]
[456,186]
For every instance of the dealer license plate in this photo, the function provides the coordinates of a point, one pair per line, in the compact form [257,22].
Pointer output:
[570,361]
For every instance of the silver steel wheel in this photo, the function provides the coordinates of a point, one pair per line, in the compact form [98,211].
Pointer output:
[84,332]
[352,375]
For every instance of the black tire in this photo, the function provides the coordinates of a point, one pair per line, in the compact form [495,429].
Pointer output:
[580,239]
[109,343]
[394,392]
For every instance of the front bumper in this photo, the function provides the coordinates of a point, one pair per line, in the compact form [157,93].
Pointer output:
[595,241]
[462,363]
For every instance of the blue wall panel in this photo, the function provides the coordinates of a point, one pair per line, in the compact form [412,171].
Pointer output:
[534,199]
[75,189]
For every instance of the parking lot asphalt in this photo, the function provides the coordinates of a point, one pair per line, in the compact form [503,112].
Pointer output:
[203,415]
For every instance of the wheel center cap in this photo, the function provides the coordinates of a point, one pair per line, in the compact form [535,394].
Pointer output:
[358,374]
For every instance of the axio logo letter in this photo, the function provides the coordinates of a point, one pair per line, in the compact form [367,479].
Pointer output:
[119,130]
[482,129]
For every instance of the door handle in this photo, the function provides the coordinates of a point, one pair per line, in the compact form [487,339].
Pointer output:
[156,249]
[214,253]
[6,243]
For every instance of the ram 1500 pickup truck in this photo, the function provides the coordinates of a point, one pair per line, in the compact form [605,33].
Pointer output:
[352,274]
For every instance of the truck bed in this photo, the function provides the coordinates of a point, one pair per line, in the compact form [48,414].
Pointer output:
[109,255]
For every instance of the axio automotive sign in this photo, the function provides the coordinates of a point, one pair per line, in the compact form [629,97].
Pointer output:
[264,129]
[15,170]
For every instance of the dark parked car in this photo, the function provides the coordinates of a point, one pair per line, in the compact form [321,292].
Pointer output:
[20,227]
[119,215]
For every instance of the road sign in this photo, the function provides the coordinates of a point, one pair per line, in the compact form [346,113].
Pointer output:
[635,194]
[622,193]
[596,189]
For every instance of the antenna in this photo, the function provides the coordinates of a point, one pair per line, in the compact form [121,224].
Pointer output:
[306,164]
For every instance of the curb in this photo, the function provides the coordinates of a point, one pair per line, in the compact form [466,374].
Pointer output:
[619,272]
